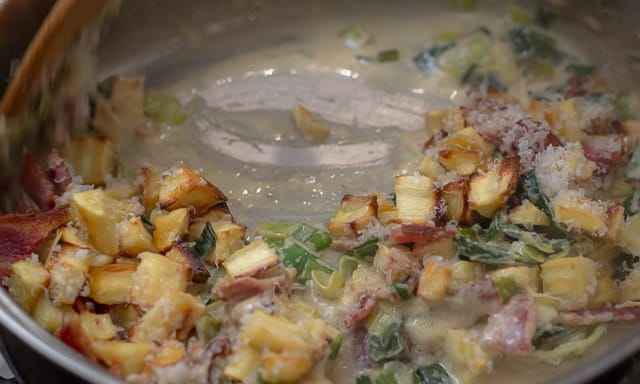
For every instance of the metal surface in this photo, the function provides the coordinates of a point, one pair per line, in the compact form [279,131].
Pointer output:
[144,37]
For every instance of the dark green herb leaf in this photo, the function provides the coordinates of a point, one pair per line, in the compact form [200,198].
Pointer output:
[529,44]
[312,236]
[367,248]
[466,76]
[403,290]
[387,346]
[388,55]
[386,377]
[432,374]
[632,203]
[544,16]
[295,256]
[363,378]
[206,242]
[471,247]
[528,188]
[580,70]
[426,60]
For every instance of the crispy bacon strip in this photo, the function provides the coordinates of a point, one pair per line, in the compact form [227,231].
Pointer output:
[363,306]
[36,184]
[587,317]
[242,288]
[414,233]
[511,329]
[59,171]
[21,234]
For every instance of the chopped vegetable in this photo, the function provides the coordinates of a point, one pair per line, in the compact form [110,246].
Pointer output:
[313,237]
[543,15]
[569,344]
[335,346]
[388,345]
[388,55]
[507,287]
[302,260]
[519,15]
[580,69]
[403,290]
[166,109]
[206,242]
[368,247]
[529,44]
[426,60]
[327,285]
[471,50]
[356,37]
[432,374]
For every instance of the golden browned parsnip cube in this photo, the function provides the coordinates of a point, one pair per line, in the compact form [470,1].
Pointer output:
[128,357]
[463,161]
[275,333]
[229,238]
[96,212]
[150,189]
[111,284]
[286,367]
[455,198]
[564,121]
[444,247]
[415,199]
[68,270]
[353,216]
[628,236]
[464,272]
[170,228]
[171,352]
[182,253]
[468,139]
[47,314]
[580,213]
[250,259]
[434,281]
[175,313]
[489,191]
[70,236]
[572,279]
[630,286]
[430,167]
[184,188]
[134,237]
[219,213]
[607,292]
[93,158]
[242,364]
[528,214]
[27,281]
[387,212]
[155,275]
[97,326]
[453,120]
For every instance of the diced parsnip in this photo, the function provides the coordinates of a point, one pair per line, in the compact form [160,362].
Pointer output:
[632,128]
[526,278]
[121,191]
[465,351]
[464,272]
[564,121]
[455,198]
[243,364]
[96,211]
[365,277]
[287,367]
[171,352]
[433,121]
[430,167]
[630,286]
[175,313]
[444,247]
[183,253]
[46,314]
[489,191]
[218,214]
[395,263]
[434,281]
[93,158]
[26,282]
[453,120]
[125,315]
[229,238]
[416,199]
[275,333]
[122,113]
[628,236]
[170,227]
[580,213]
[353,216]
[184,188]
[70,236]
[150,189]
[250,259]
[155,275]
[615,220]
[463,161]
[467,139]
[127,357]
[97,326]
[134,237]
[506,64]
[537,109]
[571,279]
[528,214]
[69,272]
[111,284]
[607,292]
[313,130]
[387,212]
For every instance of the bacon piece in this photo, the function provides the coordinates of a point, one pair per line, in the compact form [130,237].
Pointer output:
[605,150]
[72,334]
[59,171]
[244,287]
[416,233]
[511,329]
[21,234]
[363,306]
[36,184]
[587,317]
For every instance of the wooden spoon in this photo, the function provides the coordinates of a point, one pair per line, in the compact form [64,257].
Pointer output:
[65,20]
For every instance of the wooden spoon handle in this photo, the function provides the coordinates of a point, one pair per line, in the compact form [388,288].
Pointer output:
[65,20]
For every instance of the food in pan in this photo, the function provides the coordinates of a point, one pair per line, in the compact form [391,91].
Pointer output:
[516,235]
